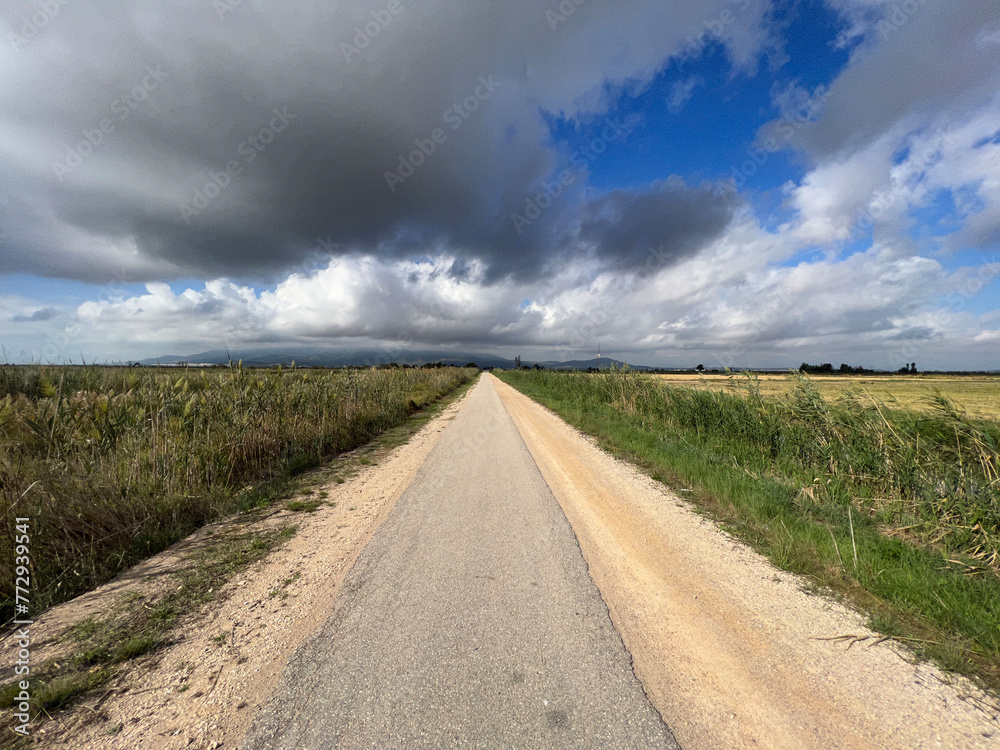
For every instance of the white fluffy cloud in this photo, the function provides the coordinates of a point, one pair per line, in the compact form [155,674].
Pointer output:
[881,184]
[729,306]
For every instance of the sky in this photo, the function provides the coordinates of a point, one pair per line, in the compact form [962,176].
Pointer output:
[734,183]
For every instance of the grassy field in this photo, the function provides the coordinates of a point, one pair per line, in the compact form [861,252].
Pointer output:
[897,510]
[978,396]
[111,465]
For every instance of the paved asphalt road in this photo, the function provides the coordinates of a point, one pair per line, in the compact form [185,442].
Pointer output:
[468,621]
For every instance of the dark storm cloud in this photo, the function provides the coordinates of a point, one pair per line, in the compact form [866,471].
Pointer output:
[47,313]
[916,333]
[645,231]
[245,139]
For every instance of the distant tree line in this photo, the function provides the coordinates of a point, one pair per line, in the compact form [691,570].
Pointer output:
[827,368]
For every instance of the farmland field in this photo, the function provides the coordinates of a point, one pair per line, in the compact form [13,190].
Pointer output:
[897,509]
[112,465]
[978,396]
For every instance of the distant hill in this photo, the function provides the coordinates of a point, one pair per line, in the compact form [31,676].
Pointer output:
[583,364]
[305,357]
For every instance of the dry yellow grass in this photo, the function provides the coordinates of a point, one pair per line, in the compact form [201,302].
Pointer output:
[978,395]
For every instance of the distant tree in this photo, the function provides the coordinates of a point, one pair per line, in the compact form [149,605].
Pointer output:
[538,366]
[472,364]
[517,362]
[913,368]
[700,368]
[826,367]
[859,369]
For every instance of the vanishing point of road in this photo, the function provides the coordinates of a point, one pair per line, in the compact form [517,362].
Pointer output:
[469,620]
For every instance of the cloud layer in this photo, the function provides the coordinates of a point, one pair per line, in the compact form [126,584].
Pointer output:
[229,139]
[386,171]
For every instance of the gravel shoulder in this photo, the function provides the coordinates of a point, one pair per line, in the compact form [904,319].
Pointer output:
[227,657]
[733,652]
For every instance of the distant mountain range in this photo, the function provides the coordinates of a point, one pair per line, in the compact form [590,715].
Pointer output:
[369,357]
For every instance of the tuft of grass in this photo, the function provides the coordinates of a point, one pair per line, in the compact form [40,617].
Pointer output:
[8,694]
[85,628]
[61,691]
[896,510]
[137,646]
[886,624]
[307,506]
[210,567]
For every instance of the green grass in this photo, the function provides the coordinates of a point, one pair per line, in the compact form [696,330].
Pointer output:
[51,695]
[112,465]
[306,506]
[136,647]
[897,511]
